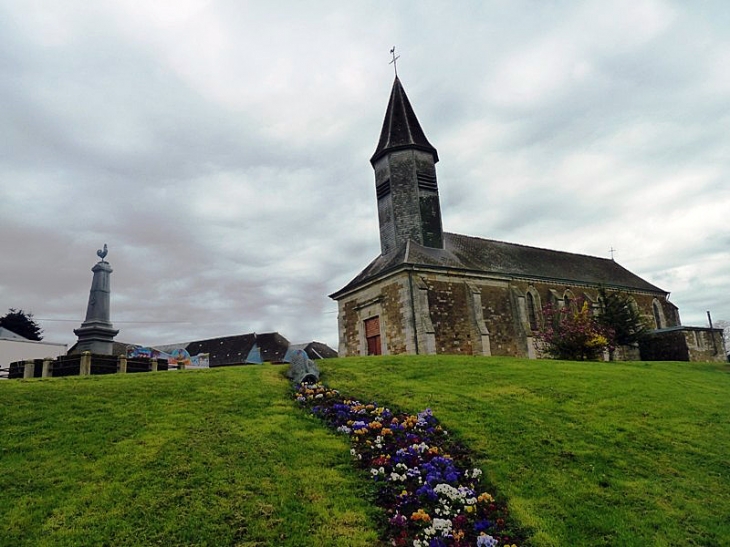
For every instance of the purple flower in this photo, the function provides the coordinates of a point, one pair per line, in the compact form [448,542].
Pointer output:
[482,525]
[427,492]
[399,520]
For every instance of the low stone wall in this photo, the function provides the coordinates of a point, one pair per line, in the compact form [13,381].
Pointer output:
[696,344]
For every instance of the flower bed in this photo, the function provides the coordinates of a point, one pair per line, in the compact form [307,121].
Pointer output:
[426,482]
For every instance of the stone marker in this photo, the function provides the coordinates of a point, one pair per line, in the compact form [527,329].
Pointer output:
[96,334]
[302,369]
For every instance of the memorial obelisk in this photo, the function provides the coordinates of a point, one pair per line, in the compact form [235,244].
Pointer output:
[96,334]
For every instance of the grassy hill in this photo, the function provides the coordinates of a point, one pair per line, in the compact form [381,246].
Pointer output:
[585,453]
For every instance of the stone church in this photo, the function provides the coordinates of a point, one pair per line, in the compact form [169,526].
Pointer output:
[434,292]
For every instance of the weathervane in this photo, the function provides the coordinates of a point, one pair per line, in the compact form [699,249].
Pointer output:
[101,253]
[395,58]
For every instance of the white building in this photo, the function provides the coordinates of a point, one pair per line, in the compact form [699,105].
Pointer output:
[14,347]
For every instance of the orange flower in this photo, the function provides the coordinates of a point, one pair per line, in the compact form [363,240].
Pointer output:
[420,515]
[485,498]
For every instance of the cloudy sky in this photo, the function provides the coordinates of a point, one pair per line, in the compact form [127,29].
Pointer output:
[220,148]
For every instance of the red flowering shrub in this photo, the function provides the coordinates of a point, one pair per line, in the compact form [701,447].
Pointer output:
[574,335]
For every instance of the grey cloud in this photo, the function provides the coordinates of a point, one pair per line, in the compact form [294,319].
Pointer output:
[224,157]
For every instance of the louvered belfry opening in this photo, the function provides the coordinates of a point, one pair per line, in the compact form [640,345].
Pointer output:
[405,179]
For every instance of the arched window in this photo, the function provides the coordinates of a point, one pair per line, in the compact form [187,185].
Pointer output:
[658,314]
[569,301]
[531,312]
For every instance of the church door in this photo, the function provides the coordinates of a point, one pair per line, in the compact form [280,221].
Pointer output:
[372,335]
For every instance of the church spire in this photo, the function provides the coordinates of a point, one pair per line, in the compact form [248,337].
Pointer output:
[405,179]
[401,129]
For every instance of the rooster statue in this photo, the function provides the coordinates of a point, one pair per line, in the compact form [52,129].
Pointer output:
[101,253]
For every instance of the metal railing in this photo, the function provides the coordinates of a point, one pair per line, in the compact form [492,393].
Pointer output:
[84,364]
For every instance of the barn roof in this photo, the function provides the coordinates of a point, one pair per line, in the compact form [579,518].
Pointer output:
[486,256]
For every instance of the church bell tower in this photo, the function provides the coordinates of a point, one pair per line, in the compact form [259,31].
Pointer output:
[405,179]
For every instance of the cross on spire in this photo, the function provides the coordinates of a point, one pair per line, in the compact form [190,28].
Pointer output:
[612,250]
[395,58]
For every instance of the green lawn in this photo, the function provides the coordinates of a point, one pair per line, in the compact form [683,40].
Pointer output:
[584,453]
[219,457]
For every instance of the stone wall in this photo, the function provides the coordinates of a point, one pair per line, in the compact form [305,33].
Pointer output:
[456,316]
[433,312]
[387,299]
[697,344]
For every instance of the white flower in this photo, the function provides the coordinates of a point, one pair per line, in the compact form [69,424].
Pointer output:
[442,525]
[448,491]
[486,541]
[421,448]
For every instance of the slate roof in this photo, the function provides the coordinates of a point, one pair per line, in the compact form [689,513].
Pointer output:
[234,350]
[401,129]
[320,350]
[273,346]
[315,350]
[226,350]
[502,259]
